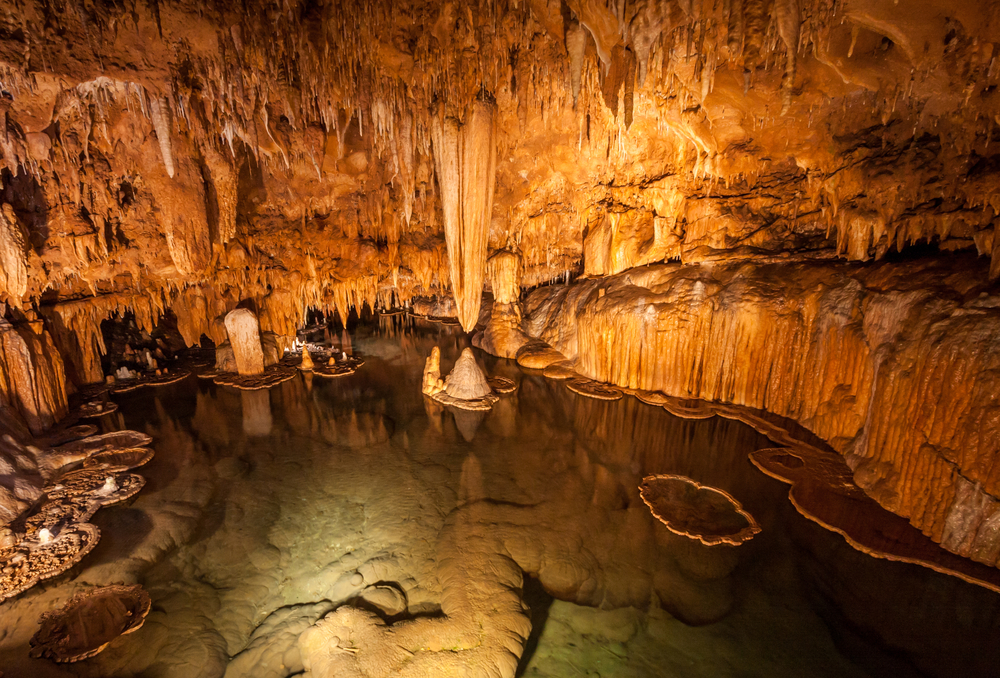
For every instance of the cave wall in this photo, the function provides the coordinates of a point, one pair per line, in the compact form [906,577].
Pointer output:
[33,386]
[894,364]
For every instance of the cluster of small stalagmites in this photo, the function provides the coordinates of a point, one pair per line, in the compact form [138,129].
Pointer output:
[886,363]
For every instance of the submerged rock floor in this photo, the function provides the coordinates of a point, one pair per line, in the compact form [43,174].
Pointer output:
[266,510]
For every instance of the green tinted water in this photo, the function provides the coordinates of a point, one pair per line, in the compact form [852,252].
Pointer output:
[265,510]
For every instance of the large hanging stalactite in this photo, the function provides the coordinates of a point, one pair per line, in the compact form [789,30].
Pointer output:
[465,158]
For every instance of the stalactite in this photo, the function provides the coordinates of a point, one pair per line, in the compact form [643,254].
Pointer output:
[224,181]
[576,46]
[789,21]
[158,112]
[465,158]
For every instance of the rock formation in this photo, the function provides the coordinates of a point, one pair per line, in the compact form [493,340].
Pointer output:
[244,337]
[790,205]
[432,382]
[465,160]
[32,377]
[503,335]
[693,510]
[89,622]
[856,355]
[465,387]
[466,381]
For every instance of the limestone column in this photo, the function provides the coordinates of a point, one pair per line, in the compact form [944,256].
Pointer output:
[244,337]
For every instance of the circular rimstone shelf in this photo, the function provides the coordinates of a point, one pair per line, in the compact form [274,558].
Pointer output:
[594,389]
[693,510]
[89,622]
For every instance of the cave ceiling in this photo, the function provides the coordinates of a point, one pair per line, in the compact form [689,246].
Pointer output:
[185,156]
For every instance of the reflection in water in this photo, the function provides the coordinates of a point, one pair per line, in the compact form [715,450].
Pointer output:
[263,515]
[257,421]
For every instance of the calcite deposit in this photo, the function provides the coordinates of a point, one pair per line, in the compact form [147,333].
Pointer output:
[786,205]
[466,386]
[89,622]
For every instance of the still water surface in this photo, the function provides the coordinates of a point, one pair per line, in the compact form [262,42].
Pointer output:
[265,510]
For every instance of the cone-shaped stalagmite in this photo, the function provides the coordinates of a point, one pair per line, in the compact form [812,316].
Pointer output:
[465,159]
[467,381]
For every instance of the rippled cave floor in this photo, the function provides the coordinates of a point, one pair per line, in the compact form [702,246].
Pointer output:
[265,510]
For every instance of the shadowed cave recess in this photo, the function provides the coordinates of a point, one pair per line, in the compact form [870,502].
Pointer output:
[499,338]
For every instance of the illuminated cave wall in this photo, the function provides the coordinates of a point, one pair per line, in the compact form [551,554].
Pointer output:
[190,156]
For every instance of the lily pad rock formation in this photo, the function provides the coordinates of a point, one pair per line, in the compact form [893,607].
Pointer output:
[693,510]
[89,622]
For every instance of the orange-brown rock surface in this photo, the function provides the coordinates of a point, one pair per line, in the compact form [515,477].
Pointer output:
[894,364]
[180,159]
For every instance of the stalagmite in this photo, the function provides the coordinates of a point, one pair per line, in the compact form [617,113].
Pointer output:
[467,381]
[244,336]
[307,361]
[432,382]
[465,158]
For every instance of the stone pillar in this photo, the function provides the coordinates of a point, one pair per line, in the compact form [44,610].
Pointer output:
[503,335]
[244,337]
